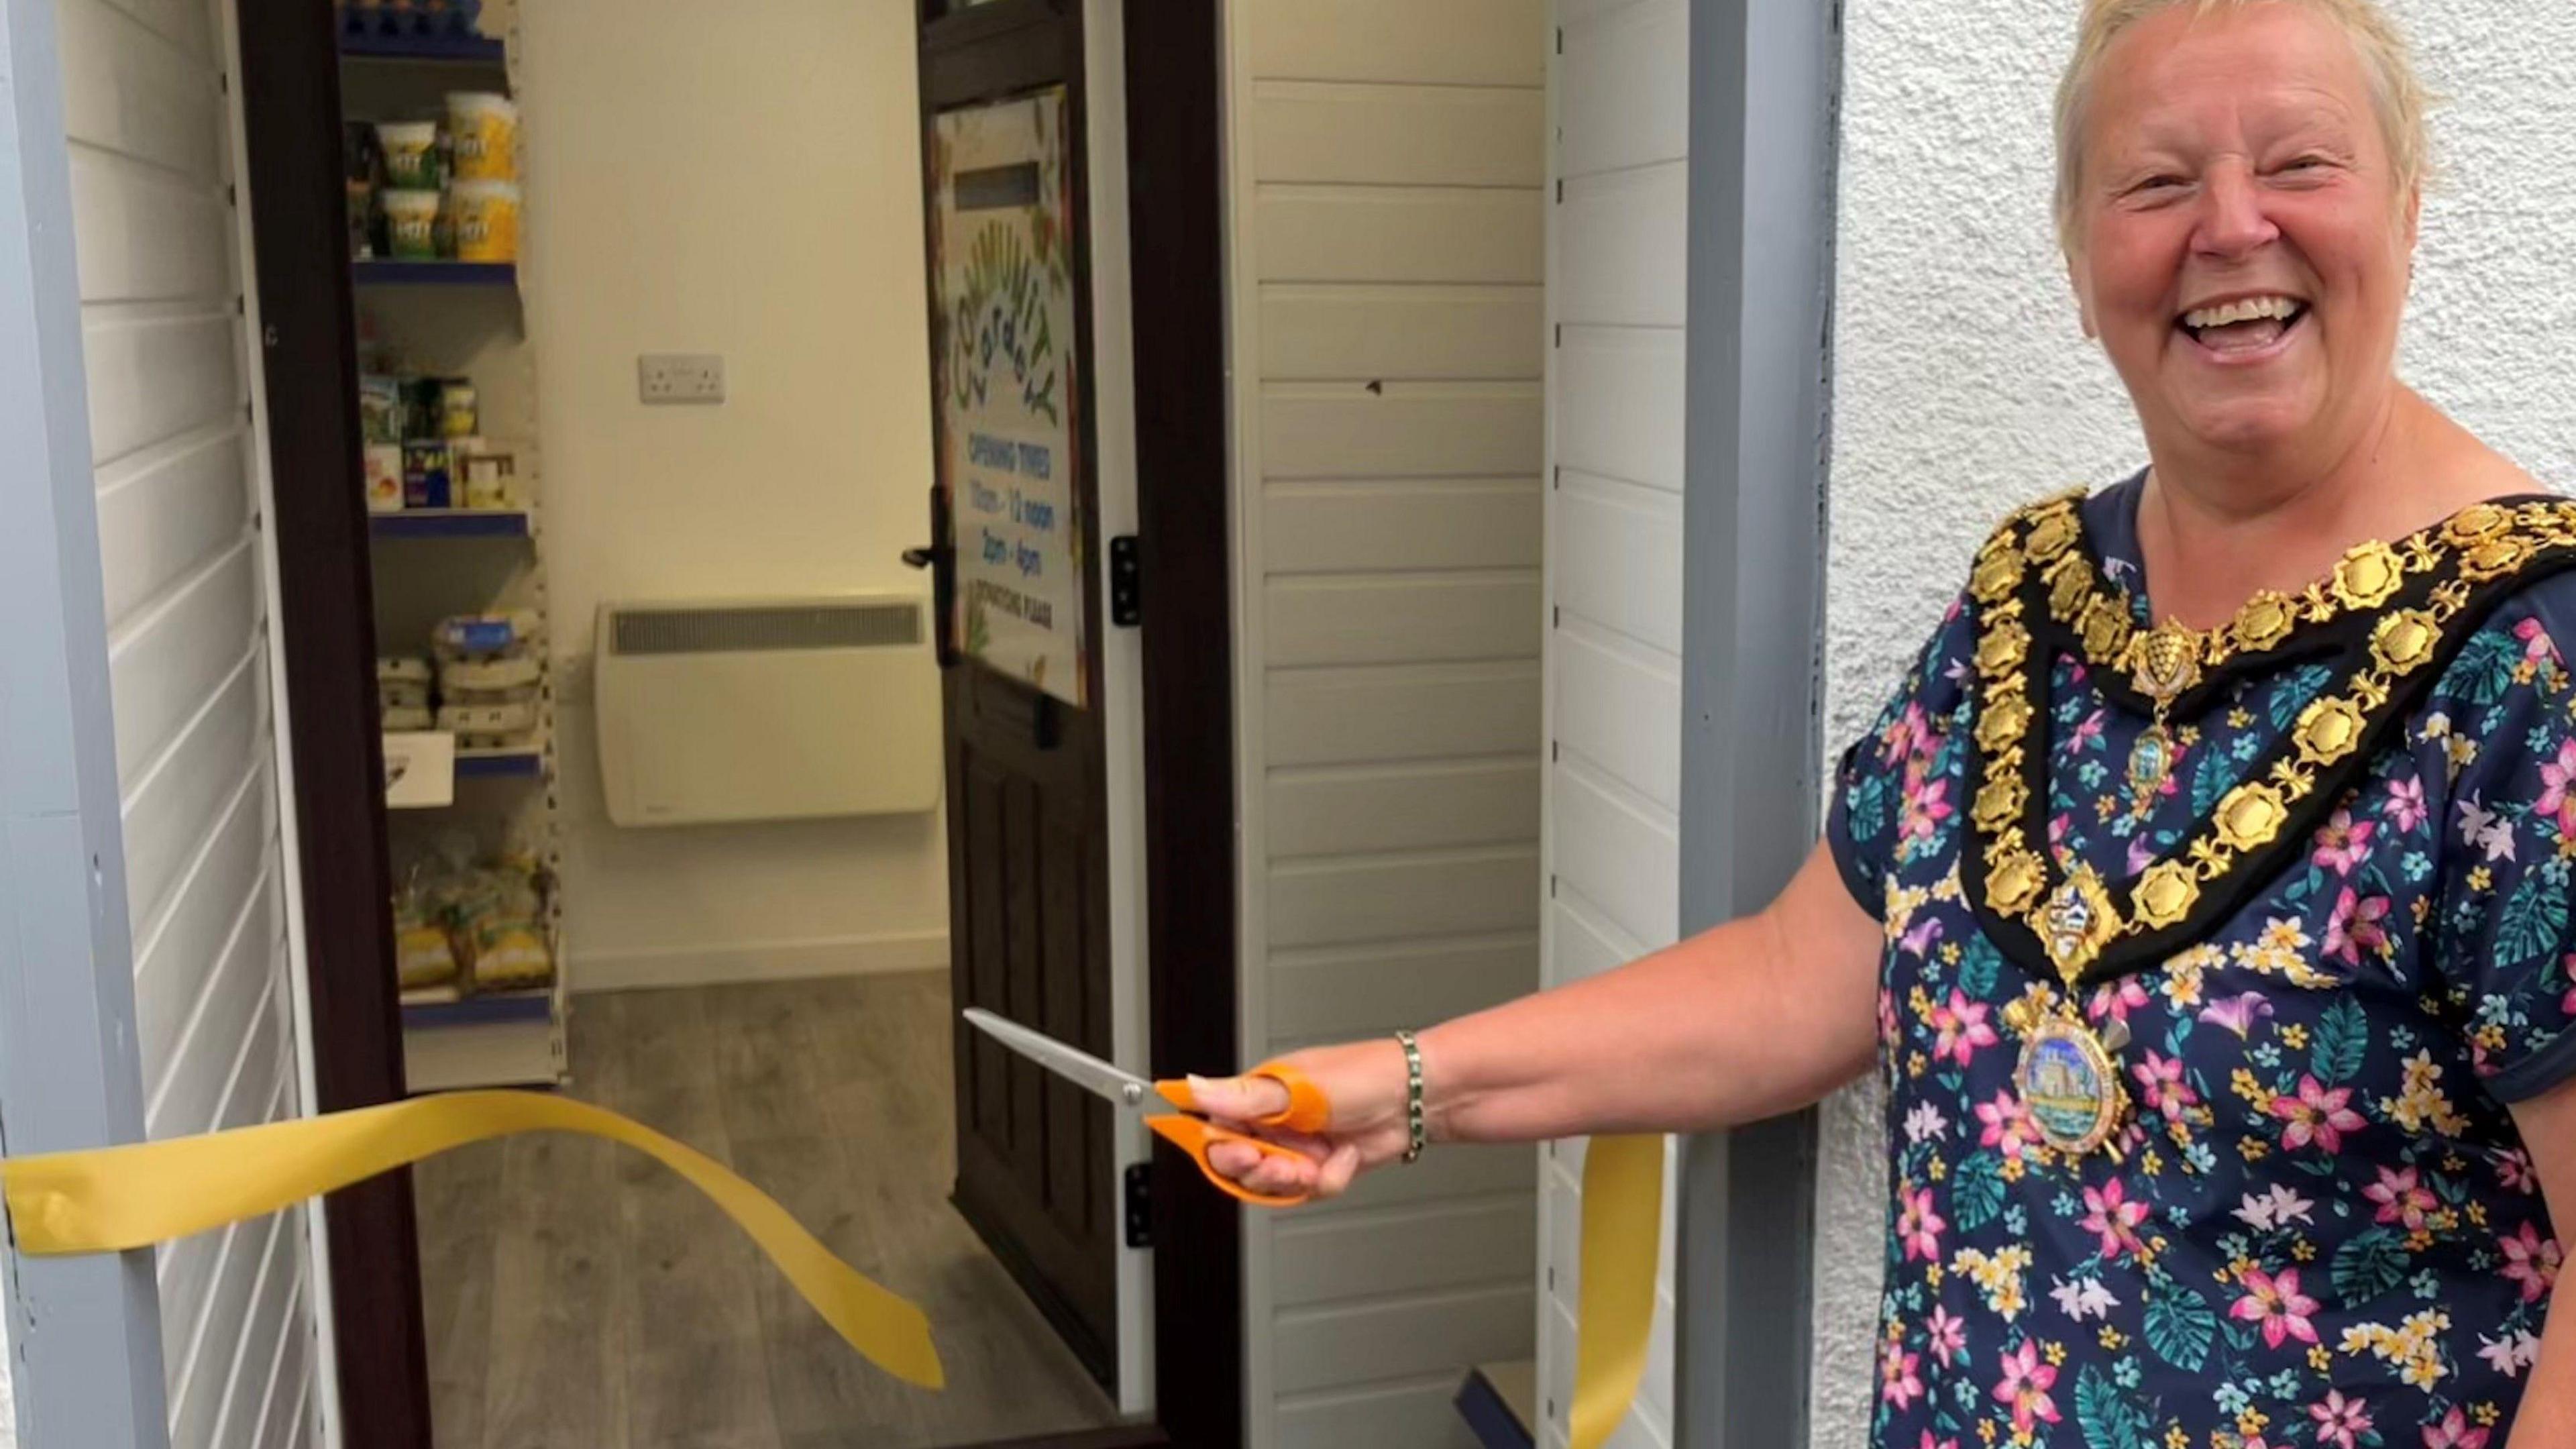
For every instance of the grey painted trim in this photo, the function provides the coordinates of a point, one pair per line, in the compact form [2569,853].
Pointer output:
[1765,81]
[84,1333]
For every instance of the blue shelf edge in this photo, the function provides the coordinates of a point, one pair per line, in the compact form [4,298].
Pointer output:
[1492,1420]
[490,767]
[472,49]
[482,1010]
[450,523]
[388,272]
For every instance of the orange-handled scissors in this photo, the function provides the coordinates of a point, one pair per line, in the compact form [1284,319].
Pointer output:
[1308,1110]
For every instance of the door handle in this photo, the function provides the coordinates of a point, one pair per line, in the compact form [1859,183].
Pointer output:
[940,557]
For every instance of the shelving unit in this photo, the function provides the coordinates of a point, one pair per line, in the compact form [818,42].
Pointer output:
[392,272]
[454,523]
[529,764]
[433,564]
[480,50]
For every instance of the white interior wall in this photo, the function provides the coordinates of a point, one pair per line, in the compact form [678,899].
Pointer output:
[1962,386]
[1387,164]
[743,180]
[153,129]
[1617,237]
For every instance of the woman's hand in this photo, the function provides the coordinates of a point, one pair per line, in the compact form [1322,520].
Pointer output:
[1365,1083]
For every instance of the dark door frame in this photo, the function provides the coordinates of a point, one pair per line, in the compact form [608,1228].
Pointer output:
[290,78]
[1176,239]
[291,101]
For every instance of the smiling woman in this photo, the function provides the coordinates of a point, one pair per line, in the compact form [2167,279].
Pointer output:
[2238,199]
[2202,896]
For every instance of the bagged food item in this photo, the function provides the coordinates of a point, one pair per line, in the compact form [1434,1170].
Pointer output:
[486,220]
[500,920]
[484,132]
[411,225]
[510,953]
[411,161]
[423,954]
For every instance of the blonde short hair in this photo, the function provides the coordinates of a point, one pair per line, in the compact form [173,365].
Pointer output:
[2385,58]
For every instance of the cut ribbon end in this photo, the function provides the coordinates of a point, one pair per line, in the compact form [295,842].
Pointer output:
[133,1196]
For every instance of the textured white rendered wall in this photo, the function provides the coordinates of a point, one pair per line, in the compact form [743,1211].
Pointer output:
[1963,387]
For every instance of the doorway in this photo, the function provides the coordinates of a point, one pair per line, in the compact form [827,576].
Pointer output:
[553,1217]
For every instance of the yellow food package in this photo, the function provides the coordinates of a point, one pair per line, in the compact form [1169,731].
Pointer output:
[483,134]
[422,955]
[487,220]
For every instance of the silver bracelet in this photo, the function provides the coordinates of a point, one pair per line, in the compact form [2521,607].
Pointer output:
[1417,1133]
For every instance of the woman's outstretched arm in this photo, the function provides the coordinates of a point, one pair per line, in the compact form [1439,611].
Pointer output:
[1757,1017]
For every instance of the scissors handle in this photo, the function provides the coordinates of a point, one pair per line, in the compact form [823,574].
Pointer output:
[1308,1110]
[1195,1136]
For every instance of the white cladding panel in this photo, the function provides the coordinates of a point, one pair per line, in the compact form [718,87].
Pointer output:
[152,124]
[1616,243]
[1388,164]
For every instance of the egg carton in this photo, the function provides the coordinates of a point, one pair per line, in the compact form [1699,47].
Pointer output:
[520,671]
[493,717]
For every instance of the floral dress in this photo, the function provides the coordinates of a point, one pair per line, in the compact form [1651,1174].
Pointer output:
[2315,1222]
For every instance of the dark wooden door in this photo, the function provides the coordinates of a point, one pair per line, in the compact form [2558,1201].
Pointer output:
[1028,846]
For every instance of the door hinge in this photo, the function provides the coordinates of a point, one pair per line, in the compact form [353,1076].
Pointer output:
[1140,1207]
[1126,583]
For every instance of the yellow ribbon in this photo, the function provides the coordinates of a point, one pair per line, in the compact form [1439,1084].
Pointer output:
[1623,1224]
[116,1198]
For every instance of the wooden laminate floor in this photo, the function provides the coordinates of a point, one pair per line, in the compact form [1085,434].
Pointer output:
[579,1296]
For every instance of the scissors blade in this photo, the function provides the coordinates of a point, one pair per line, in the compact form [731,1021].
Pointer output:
[1078,1067]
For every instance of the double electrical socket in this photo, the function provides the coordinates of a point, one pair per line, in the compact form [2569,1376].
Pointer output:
[680,377]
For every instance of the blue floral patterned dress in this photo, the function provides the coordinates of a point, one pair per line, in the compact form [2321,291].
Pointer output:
[2315,1223]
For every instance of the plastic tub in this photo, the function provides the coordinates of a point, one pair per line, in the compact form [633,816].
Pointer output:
[411,225]
[487,220]
[484,132]
[410,150]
